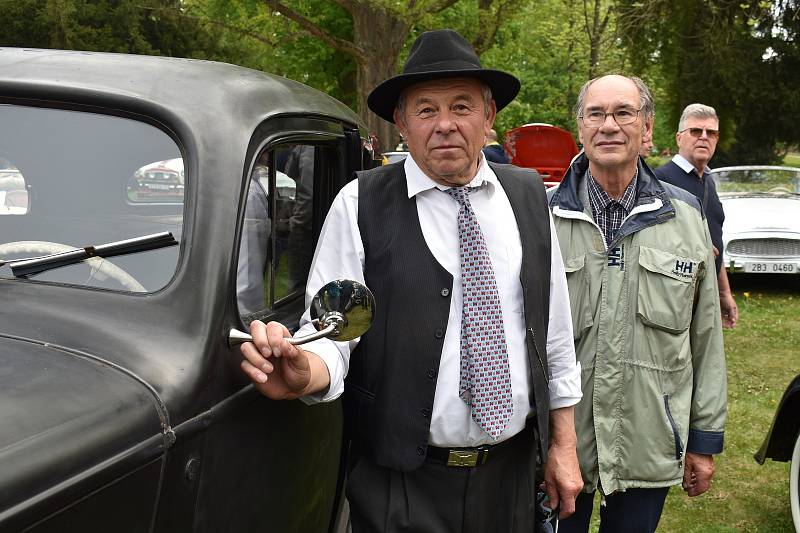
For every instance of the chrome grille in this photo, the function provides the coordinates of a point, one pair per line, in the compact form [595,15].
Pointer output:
[765,247]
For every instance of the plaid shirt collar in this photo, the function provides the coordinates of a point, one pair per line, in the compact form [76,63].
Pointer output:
[608,212]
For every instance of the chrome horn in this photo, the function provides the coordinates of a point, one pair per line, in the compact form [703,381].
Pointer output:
[342,310]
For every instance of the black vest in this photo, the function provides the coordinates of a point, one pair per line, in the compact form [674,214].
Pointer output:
[391,381]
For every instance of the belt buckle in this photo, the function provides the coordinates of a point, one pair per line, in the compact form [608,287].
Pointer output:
[462,458]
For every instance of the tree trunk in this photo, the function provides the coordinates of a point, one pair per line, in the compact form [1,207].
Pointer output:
[594,41]
[59,13]
[570,70]
[381,37]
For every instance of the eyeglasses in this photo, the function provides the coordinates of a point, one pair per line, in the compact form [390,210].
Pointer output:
[698,132]
[623,116]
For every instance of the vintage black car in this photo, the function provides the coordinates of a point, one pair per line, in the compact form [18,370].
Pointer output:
[122,405]
[782,443]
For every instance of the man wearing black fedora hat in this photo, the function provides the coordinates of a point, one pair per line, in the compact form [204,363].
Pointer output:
[467,378]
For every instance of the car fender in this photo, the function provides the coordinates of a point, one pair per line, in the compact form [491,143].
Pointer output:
[780,439]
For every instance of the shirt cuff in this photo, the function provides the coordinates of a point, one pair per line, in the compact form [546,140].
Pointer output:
[705,442]
[329,353]
[566,389]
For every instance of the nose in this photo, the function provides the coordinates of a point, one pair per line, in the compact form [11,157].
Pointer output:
[445,123]
[609,123]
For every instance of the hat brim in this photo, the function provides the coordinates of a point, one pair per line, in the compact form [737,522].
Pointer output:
[383,98]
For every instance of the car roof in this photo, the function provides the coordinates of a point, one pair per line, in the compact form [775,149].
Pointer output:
[755,167]
[193,89]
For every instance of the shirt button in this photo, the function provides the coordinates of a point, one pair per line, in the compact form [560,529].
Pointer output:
[425,412]
[445,292]
[431,373]
[439,333]
[420,450]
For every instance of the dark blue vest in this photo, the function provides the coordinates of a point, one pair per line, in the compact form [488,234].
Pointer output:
[391,381]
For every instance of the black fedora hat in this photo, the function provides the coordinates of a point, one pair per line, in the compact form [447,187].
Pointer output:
[441,54]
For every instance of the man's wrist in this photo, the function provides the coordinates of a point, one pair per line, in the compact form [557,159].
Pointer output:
[319,378]
[562,427]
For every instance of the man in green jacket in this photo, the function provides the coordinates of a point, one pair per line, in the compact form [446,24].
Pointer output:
[646,318]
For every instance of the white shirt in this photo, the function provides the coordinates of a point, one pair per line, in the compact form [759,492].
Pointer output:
[340,254]
[684,163]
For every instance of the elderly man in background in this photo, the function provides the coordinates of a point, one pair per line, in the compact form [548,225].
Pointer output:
[697,136]
[493,150]
[469,368]
[647,148]
[645,317]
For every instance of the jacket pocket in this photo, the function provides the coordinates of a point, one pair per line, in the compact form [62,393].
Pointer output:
[675,433]
[579,287]
[666,289]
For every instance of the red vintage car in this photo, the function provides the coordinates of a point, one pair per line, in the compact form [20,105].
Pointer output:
[543,147]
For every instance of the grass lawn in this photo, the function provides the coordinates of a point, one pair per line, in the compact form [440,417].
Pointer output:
[763,355]
[792,159]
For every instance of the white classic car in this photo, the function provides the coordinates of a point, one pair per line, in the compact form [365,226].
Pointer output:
[761,233]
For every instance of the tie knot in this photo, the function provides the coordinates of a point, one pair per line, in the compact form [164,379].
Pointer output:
[460,194]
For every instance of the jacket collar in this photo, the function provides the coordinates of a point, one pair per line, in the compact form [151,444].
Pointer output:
[567,195]
[653,205]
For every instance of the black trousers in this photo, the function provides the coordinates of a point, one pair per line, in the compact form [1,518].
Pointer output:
[632,511]
[498,496]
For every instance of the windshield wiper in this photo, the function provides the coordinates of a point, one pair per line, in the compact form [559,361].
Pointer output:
[28,267]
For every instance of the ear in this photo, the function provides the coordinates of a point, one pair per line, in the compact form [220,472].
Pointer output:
[400,122]
[580,132]
[647,128]
[491,114]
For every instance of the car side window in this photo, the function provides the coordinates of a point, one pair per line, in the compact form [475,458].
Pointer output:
[294,242]
[277,240]
[253,273]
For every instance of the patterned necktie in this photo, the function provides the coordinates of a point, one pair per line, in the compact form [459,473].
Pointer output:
[485,383]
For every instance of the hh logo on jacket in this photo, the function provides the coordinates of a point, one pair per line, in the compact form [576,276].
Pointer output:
[684,269]
[616,257]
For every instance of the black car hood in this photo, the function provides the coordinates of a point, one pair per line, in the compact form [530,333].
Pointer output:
[63,412]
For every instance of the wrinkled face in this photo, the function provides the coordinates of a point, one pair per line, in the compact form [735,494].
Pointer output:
[611,146]
[445,123]
[698,150]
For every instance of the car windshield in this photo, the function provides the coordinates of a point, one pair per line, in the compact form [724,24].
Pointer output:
[747,181]
[71,180]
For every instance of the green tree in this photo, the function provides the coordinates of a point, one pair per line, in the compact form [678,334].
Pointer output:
[546,45]
[250,34]
[131,26]
[370,35]
[738,56]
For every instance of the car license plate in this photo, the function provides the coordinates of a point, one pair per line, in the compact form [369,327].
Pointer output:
[770,268]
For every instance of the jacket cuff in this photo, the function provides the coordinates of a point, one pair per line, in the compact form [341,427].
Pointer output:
[705,442]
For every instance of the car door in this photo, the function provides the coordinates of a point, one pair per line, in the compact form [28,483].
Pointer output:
[257,464]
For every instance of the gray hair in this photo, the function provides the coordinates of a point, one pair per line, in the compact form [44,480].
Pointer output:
[486,92]
[696,111]
[645,97]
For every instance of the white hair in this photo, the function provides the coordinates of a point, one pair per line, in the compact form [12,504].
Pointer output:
[696,111]
[646,102]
